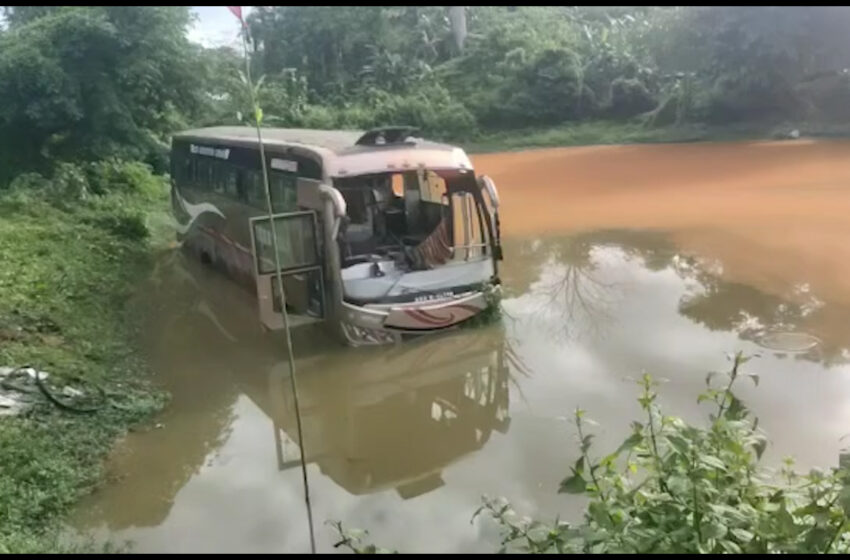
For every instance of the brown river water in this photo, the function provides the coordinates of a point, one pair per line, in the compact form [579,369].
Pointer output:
[618,260]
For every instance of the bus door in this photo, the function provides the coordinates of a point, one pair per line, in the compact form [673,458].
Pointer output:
[298,240]
[491,200]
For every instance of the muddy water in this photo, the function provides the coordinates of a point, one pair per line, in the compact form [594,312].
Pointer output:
[619,260]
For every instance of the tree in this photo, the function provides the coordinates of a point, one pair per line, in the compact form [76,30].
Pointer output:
[91,82]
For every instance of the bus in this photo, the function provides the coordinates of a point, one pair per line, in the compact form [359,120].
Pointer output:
[381,235]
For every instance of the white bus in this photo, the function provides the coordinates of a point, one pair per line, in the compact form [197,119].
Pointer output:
[380,234]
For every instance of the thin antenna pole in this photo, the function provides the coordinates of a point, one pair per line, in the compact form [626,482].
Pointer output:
[281,295]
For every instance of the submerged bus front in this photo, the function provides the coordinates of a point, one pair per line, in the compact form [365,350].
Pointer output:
[418,246]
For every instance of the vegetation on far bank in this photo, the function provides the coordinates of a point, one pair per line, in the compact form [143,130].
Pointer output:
[82,83]
[616,133]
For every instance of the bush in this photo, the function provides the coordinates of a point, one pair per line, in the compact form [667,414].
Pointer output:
[676,488]
[105,193]
[629,97]
[70,182]
[126,224]
[114,175]
[548,90]
[29,182]
[317,116]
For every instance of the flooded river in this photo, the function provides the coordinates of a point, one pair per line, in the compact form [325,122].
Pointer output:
[618,260]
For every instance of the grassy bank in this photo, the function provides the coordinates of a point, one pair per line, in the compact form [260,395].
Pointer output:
[611,133]
[67,274]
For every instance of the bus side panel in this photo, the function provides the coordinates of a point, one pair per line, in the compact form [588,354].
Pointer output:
[222,192]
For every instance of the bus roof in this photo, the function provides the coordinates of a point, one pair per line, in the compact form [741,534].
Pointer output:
[340,142]
[345,152]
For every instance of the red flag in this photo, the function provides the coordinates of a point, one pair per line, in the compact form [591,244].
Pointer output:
[237,11]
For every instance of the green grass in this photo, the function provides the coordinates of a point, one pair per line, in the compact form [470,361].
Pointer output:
[65,283]
[605,133]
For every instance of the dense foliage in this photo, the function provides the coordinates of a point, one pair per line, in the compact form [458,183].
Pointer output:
[673,487]
[522,66]
[88,82]
[91,82]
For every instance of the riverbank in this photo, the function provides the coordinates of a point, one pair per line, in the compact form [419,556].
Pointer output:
[622,133]
[68,272]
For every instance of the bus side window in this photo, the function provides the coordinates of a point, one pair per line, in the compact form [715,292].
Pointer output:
[253,188]
[218,176]
[241,185]
[230,180]
[187,170]
[283,191]
[203,177]
[191,171]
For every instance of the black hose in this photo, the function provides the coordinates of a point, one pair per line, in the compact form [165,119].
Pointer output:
[65,406]
[49,395]
[6,383]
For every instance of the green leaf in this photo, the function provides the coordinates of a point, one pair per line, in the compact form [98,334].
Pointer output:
[679,444]
[579,466]
[712,462]
[731,547]
[630,442]
[585,443]
[573,485]
[817,538]
[736,408]
[786,521]
[743,535]
[714,530]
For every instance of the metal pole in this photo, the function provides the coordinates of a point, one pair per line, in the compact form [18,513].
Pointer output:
[281,294]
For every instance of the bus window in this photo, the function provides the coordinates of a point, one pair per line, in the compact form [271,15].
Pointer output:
[217,176]
[398,185]
[252,183]
[433,187]
[296,243]
[204,177]
[283,191]
[188,171]
[229,178]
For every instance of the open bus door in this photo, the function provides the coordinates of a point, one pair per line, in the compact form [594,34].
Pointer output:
[491,198]
[301,268]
